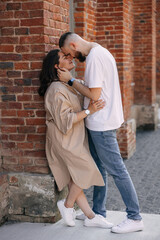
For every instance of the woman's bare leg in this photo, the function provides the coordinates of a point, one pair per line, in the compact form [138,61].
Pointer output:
[73,194]
[81,200]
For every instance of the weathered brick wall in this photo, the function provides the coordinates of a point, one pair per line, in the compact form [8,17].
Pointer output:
[114,31]
[158,46]
[28,30]
[85,26]
[144,51]
[112,22]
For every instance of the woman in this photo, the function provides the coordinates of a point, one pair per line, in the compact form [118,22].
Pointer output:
[66,145]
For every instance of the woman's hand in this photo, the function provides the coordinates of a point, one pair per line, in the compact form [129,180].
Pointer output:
[95,106]
[64,75]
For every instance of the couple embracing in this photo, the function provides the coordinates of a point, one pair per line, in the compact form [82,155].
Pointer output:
[81,155]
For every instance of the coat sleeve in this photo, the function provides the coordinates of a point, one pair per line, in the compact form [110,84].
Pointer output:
[62,112]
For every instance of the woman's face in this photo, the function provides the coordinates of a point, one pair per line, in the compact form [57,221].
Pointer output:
[65,61]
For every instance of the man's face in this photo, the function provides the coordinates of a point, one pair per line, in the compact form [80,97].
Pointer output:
[75,54]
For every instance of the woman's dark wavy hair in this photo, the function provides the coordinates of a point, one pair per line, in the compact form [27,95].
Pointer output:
[48,73]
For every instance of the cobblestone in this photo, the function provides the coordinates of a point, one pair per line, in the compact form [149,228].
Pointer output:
[144,169]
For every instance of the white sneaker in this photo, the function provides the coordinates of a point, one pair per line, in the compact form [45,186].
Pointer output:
[66,213]
[81,216]
[128,225]
[97,221]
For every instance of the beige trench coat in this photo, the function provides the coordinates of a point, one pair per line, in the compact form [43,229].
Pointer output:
[66,143]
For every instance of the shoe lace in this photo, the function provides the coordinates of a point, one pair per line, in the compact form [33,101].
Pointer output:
[125,222]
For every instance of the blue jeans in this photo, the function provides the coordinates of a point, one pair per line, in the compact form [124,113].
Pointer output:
[105,152]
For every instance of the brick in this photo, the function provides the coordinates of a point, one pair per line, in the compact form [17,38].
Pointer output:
[9,113]
[39,145]
[34,153]
[32,5]
[13,168]
[21,65]
[22,48]
[6,15]
[35,121]
[32,39]
[26,129]
[14,89]
[34,137]
[21,14]
[8,129]
[35,169]
[41,129]
[33,57]
[10,160]
[36,30]
[8,57]
[17,137]
[6,65]
[25,113]
[7,31]
[36,65]
[12,121]
[8,98]
[33,105]
[4,137]
[13,6]
[32,22]
[25,145]
[24,98]
[36,13]
[6,48]
[13,74]
[41,162]
[22,82]
[9,23]
[21,31]
[8,145]
[31,74]
[2,6]
[40,113]
[37,48]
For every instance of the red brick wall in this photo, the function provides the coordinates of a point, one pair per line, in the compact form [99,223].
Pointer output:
[85,25]
[144,51]
[114,31]
[158,46]
[28,30]
[112,25]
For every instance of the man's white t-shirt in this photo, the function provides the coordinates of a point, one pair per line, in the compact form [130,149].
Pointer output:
[101,72]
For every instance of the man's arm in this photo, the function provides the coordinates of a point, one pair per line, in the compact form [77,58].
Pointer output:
[92,93]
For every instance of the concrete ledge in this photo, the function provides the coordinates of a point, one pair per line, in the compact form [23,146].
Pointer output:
[59,231]
[146,116]
[29,197]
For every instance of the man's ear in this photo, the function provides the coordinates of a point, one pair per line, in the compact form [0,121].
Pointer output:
[73,46]
[56,66]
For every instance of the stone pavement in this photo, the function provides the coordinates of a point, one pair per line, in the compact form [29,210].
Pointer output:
[58,231]
[144,168]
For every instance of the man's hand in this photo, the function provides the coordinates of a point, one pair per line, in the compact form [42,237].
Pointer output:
[64,75]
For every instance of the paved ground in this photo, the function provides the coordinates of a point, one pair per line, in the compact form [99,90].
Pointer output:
[144,168]
[58,231]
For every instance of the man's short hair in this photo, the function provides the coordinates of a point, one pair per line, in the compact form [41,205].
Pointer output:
[63,39]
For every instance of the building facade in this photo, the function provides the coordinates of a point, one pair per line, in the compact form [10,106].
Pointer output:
[129,29]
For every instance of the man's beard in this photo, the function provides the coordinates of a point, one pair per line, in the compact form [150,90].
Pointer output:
[80,57]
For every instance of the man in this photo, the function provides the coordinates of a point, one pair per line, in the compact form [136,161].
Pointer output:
[101,81]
